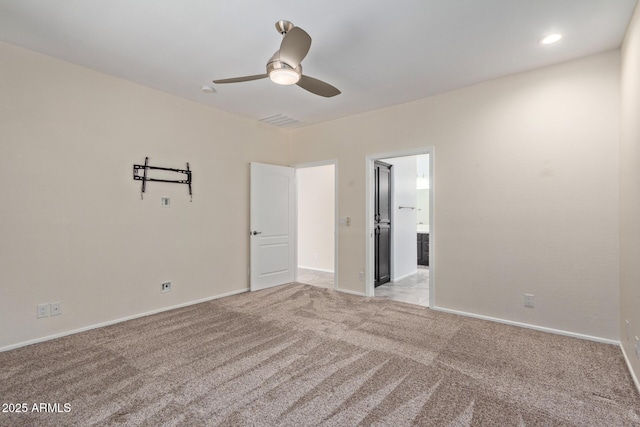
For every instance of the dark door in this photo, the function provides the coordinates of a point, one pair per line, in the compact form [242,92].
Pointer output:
[382,223]
[423,249]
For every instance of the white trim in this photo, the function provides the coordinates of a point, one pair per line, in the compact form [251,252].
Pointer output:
[432,219]
[122,319]
[336,219]
[630,368]
[324,270]
[346,291]
[392,217]
[369,250]
[528,326]
[368,230]
[295,225]
[315,164]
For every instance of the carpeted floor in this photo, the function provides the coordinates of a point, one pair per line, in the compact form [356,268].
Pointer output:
[299,355]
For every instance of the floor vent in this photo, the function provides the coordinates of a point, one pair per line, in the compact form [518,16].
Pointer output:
[280,120]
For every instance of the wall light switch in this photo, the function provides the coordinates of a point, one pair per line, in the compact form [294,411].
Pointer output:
[165,202]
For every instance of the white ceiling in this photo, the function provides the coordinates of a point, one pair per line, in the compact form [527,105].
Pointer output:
[378,54]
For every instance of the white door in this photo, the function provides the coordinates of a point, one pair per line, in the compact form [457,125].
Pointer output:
[272,231]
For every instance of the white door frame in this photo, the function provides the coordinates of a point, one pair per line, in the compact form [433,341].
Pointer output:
[333,162]
[370,263]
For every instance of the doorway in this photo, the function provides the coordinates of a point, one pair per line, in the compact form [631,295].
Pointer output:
[316,224]
[411,232]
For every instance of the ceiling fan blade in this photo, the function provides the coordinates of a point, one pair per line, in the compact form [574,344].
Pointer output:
[317,87]
[241,79]
[294,46]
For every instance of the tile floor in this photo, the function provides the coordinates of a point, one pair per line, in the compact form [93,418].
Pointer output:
[413,289]
[315,278]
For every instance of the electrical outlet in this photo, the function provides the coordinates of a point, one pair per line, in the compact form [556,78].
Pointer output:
[166,287]
[361,276]
[55,309]
[528,300]
[43,310]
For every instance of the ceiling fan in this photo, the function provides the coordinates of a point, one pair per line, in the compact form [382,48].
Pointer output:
[284,66]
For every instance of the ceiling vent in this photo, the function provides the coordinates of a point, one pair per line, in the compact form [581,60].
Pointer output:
[280,120]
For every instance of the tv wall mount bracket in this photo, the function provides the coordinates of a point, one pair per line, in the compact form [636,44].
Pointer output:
[141,172]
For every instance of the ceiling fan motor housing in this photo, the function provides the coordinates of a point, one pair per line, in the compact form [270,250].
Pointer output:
[284,26]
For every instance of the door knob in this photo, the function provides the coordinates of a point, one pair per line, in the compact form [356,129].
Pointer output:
[255,232]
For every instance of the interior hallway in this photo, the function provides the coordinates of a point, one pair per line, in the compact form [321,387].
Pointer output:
[315,278]
[413,289]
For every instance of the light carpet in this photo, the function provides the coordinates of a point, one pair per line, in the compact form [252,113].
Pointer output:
[296,355]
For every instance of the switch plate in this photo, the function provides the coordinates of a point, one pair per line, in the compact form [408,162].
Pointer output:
[344,221]
[638,347]
[55,309]
[528,300]
[165,202]
[43,310]
[628,328]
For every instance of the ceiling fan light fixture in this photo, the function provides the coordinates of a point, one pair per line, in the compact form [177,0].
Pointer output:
[550,39]
[284,76]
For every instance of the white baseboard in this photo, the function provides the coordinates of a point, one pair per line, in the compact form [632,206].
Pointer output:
[529,326]
[122,319]
[346,291]
[316,269]
[630,368]
[397,279]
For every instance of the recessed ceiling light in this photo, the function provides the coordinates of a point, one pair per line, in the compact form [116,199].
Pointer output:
[551,38]
[208,89]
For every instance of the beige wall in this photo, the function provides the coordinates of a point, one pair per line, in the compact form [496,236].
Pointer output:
[526,192]
[316,217]
[630,193]
[73,227]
